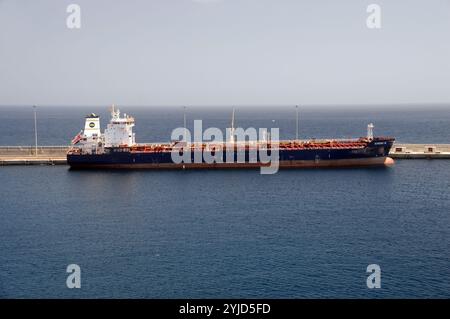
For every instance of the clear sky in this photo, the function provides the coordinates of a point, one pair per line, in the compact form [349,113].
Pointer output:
[224,52]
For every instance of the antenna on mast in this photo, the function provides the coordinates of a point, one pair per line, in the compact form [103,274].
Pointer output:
[112,110]
[296,122]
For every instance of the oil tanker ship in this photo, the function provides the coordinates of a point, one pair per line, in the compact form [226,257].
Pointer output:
[116,148]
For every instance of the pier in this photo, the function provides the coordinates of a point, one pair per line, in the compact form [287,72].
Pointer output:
[420,151]
[56,155]
[31,155]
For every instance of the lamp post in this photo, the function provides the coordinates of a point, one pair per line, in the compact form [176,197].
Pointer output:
[35,131]
[184,124]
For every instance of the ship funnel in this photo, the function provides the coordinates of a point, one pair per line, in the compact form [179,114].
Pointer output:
[92,125]
[370,131]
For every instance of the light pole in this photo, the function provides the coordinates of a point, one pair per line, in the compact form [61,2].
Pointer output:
[184,123]
[35,131]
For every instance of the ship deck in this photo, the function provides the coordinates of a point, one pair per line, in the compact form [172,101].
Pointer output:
[281,145]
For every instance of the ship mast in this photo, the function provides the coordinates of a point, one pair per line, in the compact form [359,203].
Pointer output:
[370,131]
[296,122]
[232,126]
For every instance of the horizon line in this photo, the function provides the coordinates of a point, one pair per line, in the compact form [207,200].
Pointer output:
[306,105]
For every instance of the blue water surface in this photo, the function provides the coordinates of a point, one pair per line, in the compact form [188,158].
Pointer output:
[225,234]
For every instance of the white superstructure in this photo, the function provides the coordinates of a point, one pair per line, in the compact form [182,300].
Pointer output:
[89,139]
[92,126]
[119,131]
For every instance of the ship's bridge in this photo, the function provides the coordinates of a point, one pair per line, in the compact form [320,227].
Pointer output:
[119,131]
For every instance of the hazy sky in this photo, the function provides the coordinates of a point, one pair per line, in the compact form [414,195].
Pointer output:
[224,52]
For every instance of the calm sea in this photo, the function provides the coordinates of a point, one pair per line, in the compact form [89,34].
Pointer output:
[295,234]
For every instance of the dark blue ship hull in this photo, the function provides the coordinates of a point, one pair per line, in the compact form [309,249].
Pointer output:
[373,153]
